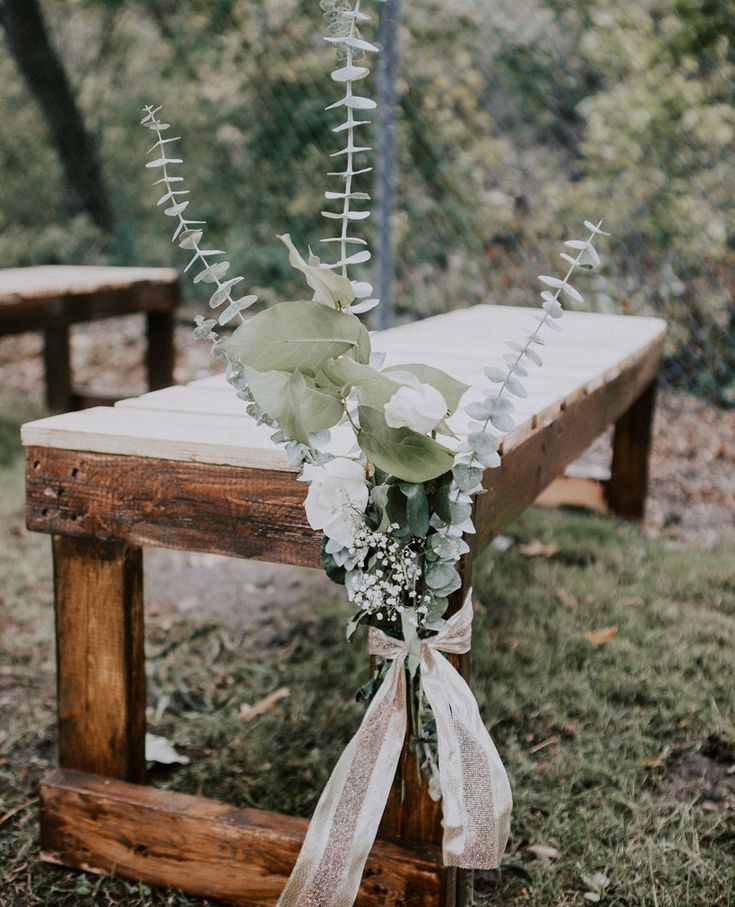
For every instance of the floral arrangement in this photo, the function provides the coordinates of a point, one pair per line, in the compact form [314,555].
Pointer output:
[395,508]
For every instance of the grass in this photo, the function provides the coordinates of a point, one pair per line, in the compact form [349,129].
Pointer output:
[621,752]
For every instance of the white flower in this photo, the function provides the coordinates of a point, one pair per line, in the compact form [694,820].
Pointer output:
[337,498]
[417,406]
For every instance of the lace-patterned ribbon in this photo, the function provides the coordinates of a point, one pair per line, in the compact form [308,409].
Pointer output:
[475,789]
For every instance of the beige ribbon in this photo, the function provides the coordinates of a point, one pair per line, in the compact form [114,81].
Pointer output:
[475,789]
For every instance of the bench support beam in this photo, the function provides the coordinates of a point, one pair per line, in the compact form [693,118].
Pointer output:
[626,491]
[204,847]
[100,658]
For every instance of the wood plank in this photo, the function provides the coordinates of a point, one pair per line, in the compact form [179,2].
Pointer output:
[188,399]
[625,493]
[160,354]
[168,436]
[192,506]
[574,491]
[28,303]
[51,280]
[204,847]
[255,512]
[214,439]
[98,588]
[527,469]
[57,367]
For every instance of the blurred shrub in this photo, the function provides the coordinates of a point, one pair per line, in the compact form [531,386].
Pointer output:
[516,121]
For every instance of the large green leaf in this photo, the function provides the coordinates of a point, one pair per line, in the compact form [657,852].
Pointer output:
[294,402]
[450,388]
[300,336]
[401,452]
[373,387]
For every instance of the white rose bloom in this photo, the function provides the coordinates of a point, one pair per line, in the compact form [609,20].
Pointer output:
[337,498]
[417,406]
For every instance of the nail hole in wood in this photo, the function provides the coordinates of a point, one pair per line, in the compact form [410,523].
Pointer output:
[37,464]
[44,512]
[74,472]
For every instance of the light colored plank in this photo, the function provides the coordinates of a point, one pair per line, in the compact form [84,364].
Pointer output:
[186,399]
[205,438]
[59,280]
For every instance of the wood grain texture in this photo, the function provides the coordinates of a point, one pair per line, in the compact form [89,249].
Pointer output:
[207,848]
[100,657]
[591,351]
[625,493]
[57,367]
[529,468]
[31,297]
[172,504]
[258,512]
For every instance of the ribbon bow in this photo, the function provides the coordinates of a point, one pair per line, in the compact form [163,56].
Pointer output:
[474,786]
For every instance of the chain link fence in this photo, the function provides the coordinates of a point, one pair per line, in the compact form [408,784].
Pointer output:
[508,123]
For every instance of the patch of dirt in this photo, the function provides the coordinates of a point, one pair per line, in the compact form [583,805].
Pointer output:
[704,780]
[243,595]
[692,487]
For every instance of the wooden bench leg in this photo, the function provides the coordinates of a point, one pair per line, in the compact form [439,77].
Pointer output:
[160,352]
[57,366]
[626,489]
[100,657]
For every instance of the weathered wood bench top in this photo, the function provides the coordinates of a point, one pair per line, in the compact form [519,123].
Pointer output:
[205,421]
[33,299]
[50,281]
[185,467]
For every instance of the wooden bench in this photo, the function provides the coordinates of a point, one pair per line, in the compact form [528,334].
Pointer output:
[53,297]
[184,468]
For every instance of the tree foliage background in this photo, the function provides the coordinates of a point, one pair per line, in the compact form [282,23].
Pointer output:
[515,121]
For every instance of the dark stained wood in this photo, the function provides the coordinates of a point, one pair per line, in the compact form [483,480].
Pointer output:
[100,657]
[160,349]
[204,847]
[626,490]
[86,398]
[57,366]
[32,313]
[191,506]
[528,469]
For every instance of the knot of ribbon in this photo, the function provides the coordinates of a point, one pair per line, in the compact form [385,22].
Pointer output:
[476,797]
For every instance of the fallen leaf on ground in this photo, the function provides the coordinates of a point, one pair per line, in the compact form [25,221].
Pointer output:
[161,750]
[266,704]
[537,548]
[601,636]
[544,851]
[567,599]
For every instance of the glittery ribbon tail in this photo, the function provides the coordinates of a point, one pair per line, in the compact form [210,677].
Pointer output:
[475,789]
[346,819]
